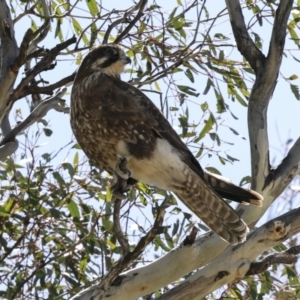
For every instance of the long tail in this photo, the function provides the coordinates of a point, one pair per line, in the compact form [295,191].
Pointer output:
[197,195]
[228,190]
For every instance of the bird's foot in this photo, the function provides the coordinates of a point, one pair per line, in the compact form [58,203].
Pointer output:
[121,168]
[121,177]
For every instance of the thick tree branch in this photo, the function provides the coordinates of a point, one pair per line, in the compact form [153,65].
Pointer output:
[8,53]
[287,169]
[262,91]
[21,59]
[244,42]
[232,265]
[235,262]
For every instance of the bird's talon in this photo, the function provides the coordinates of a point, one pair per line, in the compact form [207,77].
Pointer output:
[121,175]
[121,168]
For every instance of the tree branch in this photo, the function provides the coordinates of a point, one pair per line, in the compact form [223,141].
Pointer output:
[41,66]
[232,265]
[244,42]
[289,167]
[140,6]
[9,144]
[48,90]
[235,262]
[261,94]
[287,257]
[43,30]
[8,53]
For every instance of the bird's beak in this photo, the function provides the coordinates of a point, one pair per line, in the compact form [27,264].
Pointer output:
[125,59]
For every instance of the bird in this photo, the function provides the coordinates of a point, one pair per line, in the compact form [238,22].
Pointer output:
[112,119]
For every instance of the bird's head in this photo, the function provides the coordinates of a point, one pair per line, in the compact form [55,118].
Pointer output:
[107,59]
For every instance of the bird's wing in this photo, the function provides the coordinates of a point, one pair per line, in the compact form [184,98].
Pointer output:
[161,126]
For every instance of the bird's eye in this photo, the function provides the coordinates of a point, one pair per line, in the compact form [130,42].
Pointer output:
[111,52]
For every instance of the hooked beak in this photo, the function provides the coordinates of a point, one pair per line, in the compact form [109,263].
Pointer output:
[125,59]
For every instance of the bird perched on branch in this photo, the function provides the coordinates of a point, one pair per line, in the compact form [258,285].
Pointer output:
[112,119]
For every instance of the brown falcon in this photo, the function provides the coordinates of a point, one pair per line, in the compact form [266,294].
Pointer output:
[111,119]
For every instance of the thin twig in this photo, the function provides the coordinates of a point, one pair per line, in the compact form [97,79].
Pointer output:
[140,6]
[39,112]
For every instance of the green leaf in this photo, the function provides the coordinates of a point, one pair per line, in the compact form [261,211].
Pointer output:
[280,248]
[204,106]
[58,32]
[293,77]
[73,209]
[76,146]
[76,26]
[232,158]
[157,86]
[34,27]
[292,276]
[78,59]
[183,124]
[175,227]
[78,30]
[178,23]
[220,102]
[189,75]
[245,180]
[207,127]
[240,99]
[160,244]
[295,90]
[236,133]
[257,40]
[58,178]
[173,13]
[188,90]
[203,227]
[93,7]
[69,167]
[94,32]
[47,131]
[173,108]
[221,55]
[213,170]
[76,159]
[208,85]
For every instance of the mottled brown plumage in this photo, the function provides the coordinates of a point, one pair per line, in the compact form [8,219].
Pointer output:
[112,118]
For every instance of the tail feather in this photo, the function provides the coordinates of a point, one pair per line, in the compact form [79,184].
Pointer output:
[230,191]
[197,195]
